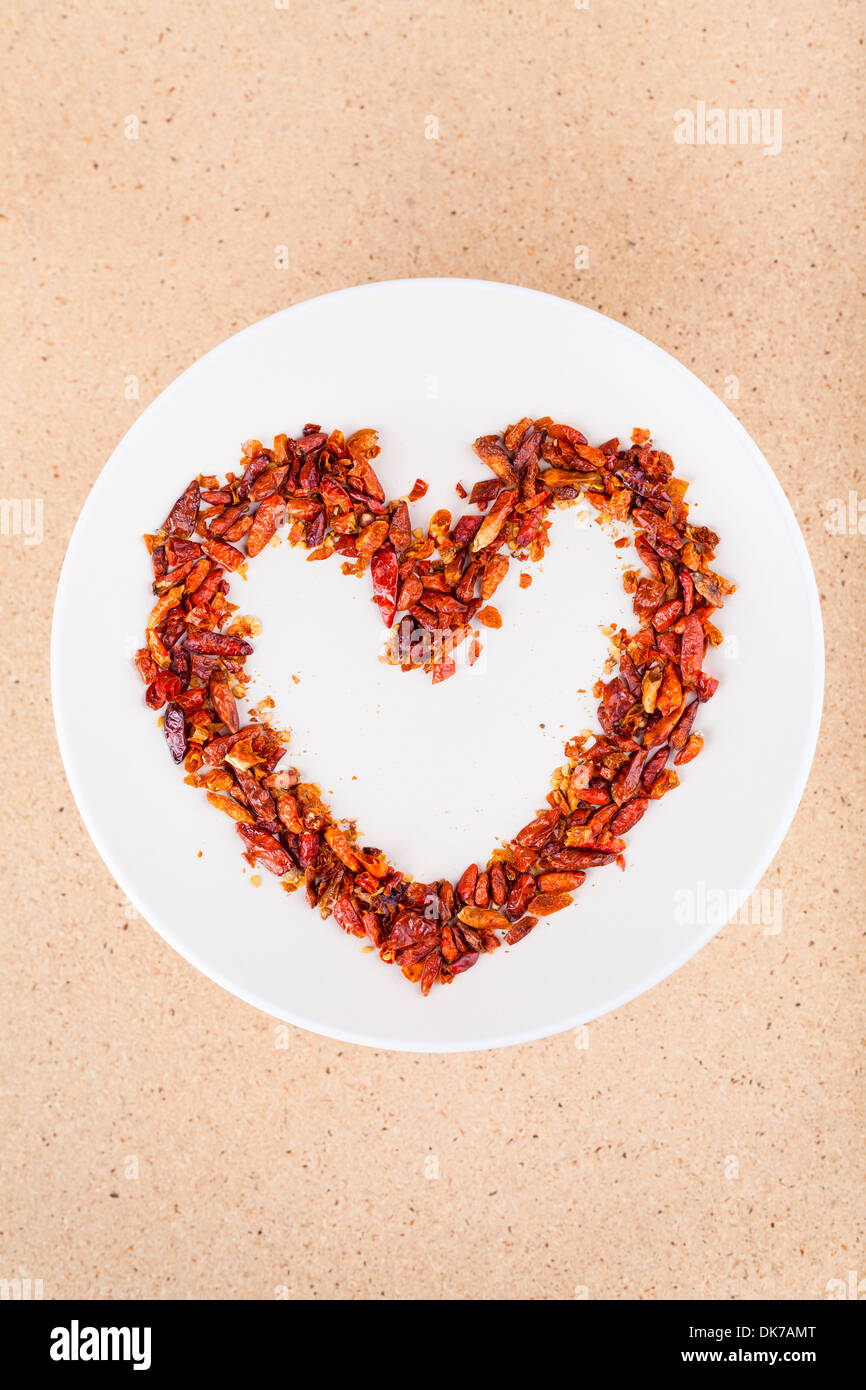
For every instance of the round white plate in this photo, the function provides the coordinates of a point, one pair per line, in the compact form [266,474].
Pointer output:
[435,776]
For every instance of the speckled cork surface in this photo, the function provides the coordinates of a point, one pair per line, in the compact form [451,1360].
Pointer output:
[157,1137]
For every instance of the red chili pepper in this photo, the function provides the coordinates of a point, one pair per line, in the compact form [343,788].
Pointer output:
[386,575]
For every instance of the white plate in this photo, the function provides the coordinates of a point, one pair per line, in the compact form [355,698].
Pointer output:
[436,775]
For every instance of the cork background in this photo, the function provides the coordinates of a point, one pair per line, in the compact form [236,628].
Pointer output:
[163,1139]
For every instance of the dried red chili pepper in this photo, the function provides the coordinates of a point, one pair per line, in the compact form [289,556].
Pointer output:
[266,848]
[629,815]
[520,930]
[386,574]
[691,648]
[146,666]
[690,750]
[543,904]
[268,517]
[166,686]
[217,644]
[706,686]
[223,701]
[181,520]
[174,723]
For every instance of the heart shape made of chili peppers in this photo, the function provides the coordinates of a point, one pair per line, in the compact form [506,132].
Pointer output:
[325,486]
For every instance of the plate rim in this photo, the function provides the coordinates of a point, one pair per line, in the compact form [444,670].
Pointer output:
[508,1038]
